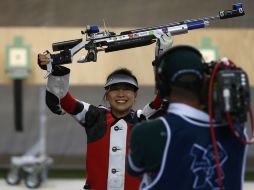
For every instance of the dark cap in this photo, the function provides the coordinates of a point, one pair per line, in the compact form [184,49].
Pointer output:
[179,61]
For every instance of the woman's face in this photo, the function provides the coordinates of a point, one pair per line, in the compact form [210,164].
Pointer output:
[121,98]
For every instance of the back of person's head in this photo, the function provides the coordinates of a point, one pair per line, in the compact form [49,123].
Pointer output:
[180,69]
[121,75]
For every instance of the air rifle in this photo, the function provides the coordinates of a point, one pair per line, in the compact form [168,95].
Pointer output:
[109,41]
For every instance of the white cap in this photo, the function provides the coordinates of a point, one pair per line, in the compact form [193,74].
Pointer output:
[120,78]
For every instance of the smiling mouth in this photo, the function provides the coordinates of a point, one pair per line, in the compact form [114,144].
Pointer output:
[121,101]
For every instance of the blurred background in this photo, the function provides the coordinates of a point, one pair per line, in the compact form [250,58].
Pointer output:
[29,27]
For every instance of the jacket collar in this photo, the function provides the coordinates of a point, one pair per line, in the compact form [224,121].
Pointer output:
[185,110]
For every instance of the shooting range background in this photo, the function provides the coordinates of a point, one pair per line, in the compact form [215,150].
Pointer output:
[40,23]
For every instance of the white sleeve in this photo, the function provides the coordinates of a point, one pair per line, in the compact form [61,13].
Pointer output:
[58,85]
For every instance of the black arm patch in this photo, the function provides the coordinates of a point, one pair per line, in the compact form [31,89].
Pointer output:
[60,70]
[53,103]
[95,123]
[92,116]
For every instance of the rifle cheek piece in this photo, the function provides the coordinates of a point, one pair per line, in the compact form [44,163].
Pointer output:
[65,45]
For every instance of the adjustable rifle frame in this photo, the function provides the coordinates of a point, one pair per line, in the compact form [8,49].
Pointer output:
[109,41]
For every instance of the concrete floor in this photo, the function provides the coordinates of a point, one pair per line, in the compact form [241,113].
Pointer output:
[56,184]
[77,184]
